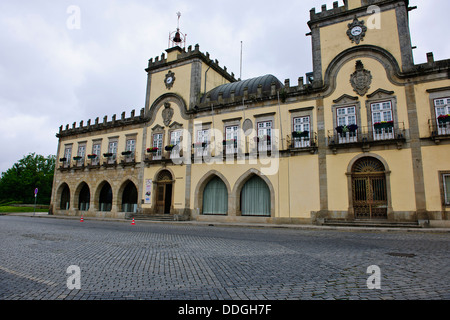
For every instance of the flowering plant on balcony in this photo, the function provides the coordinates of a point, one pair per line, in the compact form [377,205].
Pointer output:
[77,158]
[63,159]
[300,134]
[345,129]
[169,147]
[383,124]
[444,118]
[92,156]
[108,155]
[152,150]
[127,153]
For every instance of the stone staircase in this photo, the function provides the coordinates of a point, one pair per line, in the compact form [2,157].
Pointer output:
[146,217]
[372,224]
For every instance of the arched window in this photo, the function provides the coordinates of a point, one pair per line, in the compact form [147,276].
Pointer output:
[129,198]
[65,197]
[215,198]
[105,199]
[255,198]
[84,198]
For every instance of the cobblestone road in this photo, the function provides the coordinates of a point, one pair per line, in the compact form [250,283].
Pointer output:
[189,262]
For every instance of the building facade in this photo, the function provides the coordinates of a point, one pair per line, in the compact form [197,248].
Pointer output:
[364,136]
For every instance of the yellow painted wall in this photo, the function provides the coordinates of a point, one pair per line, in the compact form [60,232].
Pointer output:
[334,40]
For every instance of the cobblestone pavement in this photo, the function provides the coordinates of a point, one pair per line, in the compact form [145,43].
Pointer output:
[154,261]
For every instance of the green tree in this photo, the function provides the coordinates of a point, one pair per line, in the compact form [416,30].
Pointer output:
[32,171]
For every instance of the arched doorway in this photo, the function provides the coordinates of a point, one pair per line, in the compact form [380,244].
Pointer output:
[65,197]
[215,198]
[255,198]
[105,200]
[369,190]
[129,198]
[84,198]
[164,190]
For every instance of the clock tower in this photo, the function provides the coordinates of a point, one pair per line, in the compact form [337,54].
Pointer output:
[365,24]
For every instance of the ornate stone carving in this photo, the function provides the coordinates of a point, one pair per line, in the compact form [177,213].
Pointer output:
[356,31]
[167,114]
[361,79]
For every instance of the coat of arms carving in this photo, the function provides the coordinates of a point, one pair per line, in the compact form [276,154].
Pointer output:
[167,114]
[361,79]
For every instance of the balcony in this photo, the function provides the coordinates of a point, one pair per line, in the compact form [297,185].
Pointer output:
[365,137]
[439,130]
[302,141]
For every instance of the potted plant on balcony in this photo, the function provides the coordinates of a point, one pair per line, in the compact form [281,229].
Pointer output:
[77,158]
[169,147]
[62,159]
[108,155]
[127,153]
[92,156]
[444,118]
[152,150]
[383,124]
[300,134]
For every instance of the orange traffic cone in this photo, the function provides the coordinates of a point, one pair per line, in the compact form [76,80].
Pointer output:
[132,223]
[81,219]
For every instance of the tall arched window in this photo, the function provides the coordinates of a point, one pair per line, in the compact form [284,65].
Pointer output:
[65,197]
[129,198]
[105,199]
[215,198]
[255,198]
[84,198]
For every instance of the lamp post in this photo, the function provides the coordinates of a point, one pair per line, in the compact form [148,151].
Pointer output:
[35,199]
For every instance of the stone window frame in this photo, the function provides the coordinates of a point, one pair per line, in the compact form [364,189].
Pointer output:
[81,144]
[96,142]
[442,187]
[202,126]
[380,96]
[346,103]
[302,113]
[68,146]
[112,140]
[235,122]
[435,94]
[129,137]
[158,130]
[266,117]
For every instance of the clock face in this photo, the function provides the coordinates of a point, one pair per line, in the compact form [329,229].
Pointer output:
[356,31]
[169,80]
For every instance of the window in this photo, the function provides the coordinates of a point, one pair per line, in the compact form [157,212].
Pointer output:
[346,120]
[67,156]
[201,146]
[265,136]
[301,133]
[382,120]
[130,147]
[112,149]
[231,139]
[96,149]
[442,107]
[158,143]
[81,154]
[446,183]
[175,139]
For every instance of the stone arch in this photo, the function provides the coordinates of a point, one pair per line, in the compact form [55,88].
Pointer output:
[239,185]
[102,194]
[383,165]
[200,188]
[82,197]
[127,196]
[385,58]
[63,196]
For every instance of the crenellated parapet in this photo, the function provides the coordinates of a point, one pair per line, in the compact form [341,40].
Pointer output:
[103,124]
[185,55]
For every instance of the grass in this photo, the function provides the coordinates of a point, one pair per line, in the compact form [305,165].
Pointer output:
[12,209]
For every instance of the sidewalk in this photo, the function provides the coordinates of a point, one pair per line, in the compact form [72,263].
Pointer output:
[235,224]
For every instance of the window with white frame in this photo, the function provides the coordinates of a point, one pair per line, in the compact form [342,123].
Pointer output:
[201,146]
[346,121]
[301,132]
[231,139]
[112,149]
[264,136]
[175,139]
[96,149]
[442,107]
[81,153]
[382,120]
[157,143]
[446,185]
[130,149]
[67,156]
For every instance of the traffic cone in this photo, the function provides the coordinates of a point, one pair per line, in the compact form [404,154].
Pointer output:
[132,223]
[81,219]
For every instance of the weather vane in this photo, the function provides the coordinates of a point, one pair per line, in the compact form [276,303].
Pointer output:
[177,38]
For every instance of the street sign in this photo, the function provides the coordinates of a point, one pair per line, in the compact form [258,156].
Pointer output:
[35,192]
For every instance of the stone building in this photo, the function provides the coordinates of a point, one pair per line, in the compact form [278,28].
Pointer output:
[364,136]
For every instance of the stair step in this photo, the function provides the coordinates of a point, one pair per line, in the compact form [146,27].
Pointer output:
[372,223]
[141,217]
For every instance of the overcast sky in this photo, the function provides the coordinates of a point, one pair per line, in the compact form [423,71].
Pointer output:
[52,75]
